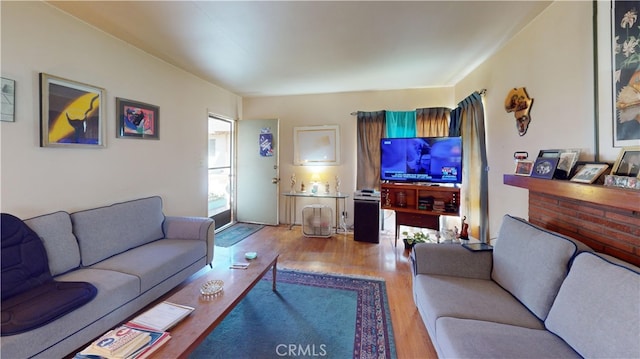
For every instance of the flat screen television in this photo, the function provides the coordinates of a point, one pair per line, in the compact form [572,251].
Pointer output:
[421,159]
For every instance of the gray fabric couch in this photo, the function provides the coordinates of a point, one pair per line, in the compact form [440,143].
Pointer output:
[130,251]
[538,294]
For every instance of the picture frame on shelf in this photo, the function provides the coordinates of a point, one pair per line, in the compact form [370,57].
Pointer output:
[628,162]
[544,167]
[549,153]
[8,106]
[523,167]
[137,120]
[568,159]
[71,113]
[589,172]
[622,181]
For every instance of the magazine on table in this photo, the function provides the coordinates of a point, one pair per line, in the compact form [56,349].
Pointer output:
[162,316]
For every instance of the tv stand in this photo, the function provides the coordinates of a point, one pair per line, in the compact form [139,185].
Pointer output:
[419,205]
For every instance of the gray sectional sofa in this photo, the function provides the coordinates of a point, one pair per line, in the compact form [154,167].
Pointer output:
[538,294]
[130,251]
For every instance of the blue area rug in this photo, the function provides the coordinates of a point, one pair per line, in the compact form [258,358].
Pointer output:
[234,234]
[311,315]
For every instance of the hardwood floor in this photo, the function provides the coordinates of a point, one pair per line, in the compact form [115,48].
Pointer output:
[341,254]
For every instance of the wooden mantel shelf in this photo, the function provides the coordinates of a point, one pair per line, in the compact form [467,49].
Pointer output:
[622,198]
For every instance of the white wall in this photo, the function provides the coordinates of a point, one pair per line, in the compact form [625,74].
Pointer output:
[38,38]
[333,109]
[552,59]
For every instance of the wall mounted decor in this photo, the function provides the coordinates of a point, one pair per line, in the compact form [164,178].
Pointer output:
[519,102]
[316,145]
[8,104]
[137,119]
[71,113]
[626,72]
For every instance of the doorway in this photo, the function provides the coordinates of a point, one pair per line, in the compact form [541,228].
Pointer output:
[258,171]
[221,171]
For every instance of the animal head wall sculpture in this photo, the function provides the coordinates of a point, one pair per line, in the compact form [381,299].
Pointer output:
[519,103]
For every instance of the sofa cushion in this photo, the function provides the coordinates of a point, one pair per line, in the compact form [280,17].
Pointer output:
[115,291]
[43,304]
[464,338]
[447,296]
[597,310]
[24,259]
[30,296]
[531,262]
[106,231]
[57,236]
[154,262]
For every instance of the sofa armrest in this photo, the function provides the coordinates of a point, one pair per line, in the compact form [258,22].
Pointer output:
[451,259]
[201,228]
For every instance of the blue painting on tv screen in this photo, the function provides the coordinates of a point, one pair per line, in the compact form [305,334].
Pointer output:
[421,159]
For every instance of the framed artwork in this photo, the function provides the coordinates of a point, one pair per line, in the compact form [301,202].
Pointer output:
[137,119]
[71,113]
[523,167]
[617,57]
[589,172]
[8,104]
[628,162]
[316,145]
[544,167]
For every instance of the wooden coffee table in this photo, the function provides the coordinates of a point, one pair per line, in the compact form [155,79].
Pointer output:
[208,313]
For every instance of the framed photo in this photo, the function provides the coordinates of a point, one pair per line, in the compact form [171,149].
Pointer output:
[567,160]
[8,104]
[549,153]
[316,145]
[544,167]
[137,119]
[589,172]
[71,113]
[523,167]
[622,181]
[628,162]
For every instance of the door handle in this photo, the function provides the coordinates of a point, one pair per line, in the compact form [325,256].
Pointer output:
[275,180]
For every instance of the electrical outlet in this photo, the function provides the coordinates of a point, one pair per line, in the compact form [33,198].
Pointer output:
[344,214]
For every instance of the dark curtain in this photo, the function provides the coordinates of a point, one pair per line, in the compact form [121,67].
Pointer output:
[454,124]
[432,122]
[370,128]
[475,201]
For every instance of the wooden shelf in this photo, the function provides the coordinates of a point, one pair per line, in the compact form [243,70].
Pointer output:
[628,199]
[414,194]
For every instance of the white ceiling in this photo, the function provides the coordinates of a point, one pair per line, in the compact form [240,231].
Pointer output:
[262,48]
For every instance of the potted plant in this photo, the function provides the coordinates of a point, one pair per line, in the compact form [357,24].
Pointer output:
[411,240]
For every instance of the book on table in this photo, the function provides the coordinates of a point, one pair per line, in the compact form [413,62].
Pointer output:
[162,316]
[140,350]
[119,343]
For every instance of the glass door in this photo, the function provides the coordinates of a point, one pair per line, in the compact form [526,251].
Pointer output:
[221,172]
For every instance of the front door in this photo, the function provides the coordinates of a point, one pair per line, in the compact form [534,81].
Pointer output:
[258,171]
